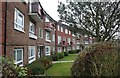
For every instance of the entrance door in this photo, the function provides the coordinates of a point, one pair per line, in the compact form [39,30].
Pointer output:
[40,51]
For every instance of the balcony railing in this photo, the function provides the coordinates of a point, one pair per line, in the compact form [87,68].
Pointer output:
[49,26]
[35,11]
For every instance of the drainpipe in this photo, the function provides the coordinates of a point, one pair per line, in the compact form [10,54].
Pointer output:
[5,28]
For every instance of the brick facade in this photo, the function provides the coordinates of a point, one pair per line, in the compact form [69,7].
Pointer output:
[32,44]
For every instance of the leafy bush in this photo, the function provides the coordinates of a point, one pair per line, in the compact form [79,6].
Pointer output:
[74,51]
[36,68]
[46,61]
[66,53]
[10,69]
[55,57]
[61,55]
[101,59]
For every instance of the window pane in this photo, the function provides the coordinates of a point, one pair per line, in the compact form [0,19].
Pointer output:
[32,52]
[20,20]
[19,55]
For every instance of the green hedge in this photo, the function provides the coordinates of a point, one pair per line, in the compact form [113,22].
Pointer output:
[74,51]
[36,68]
[101,59]
[66,53]
[61,55]
[55,57]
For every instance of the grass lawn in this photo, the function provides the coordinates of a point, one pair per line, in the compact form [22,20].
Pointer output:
[69,57]
[59,69]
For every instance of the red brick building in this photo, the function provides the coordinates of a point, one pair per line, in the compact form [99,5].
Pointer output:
[28,33]
[23,22]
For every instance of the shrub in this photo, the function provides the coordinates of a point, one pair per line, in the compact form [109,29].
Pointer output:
[100,59]
[55,57]
[10,69]
[61,55]
[72,51]
[36,68]
[66,53]
[46,61]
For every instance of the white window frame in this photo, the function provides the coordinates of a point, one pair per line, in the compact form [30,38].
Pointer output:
[59,39]
[40,29]
[61,29]
[47,20]
[53,38]
[31,58]
[32,32]
[69,40]
[47,38]
[86,41]
[66,31]
[69,32]
[17,25]
[17,62]
[47,52]
[58,28]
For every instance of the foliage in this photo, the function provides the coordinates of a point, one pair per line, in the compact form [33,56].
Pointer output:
[66,53]
[10,69]
[101,59]
[36,68]
[46,61]
[98,19]
[61,55]
[55,57]
[73,51]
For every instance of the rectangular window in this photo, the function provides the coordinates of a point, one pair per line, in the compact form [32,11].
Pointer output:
[58,28]
[47,20]
[18,56]
[32,31]
[69,40]
[47,50]
[48,36]
[18,20]
[59,39]
[64,39]
[53,38]
[69,32]
[66,31]
[31,54]
[86,41]
[61,29]
[40,33]
[31,28]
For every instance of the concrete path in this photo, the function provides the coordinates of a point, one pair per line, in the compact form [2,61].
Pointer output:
[62,61]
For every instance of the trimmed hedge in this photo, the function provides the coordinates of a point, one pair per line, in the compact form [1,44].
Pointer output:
[74,51]
[66,53]
[36,68]
[55,57]
[61,55]
[101,59]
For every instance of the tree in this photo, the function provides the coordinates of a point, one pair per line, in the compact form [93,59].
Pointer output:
[98,19]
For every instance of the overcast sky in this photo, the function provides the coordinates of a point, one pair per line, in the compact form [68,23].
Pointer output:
[50,6]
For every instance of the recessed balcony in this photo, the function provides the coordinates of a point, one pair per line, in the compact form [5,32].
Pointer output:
[49,27]
[35,11]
